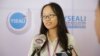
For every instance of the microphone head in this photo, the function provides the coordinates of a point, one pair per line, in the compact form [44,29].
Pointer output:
[39,40]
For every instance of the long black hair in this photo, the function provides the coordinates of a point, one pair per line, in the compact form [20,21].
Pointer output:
[61,26]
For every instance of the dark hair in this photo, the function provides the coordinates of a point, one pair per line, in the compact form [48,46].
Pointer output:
[61,26]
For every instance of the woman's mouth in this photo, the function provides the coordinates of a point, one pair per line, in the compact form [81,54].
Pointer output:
[49,23]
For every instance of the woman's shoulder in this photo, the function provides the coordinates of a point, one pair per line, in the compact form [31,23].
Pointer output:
[70,36]
[70,39]
[71,42]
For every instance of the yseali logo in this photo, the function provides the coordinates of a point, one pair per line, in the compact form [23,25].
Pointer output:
[19,21]
[76,21]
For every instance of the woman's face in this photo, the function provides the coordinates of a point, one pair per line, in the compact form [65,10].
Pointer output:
[49,18]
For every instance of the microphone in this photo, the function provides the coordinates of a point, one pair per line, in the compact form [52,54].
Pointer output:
[38,42]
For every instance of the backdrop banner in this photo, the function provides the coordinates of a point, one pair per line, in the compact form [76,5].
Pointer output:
[20,20]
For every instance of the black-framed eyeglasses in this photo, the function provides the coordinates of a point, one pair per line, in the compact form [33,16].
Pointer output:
[50,16]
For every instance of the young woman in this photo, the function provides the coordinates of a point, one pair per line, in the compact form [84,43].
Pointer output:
[58,40]
[97,22]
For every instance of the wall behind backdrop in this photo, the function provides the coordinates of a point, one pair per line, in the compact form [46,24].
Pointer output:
[20,21]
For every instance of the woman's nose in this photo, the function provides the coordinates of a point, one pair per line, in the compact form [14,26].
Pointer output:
[47,18]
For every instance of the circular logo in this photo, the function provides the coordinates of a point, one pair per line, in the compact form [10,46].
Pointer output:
[18,21]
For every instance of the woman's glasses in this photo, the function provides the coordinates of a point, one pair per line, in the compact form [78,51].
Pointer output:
[50,16]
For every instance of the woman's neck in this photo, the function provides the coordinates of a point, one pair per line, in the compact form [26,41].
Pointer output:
[52,34]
